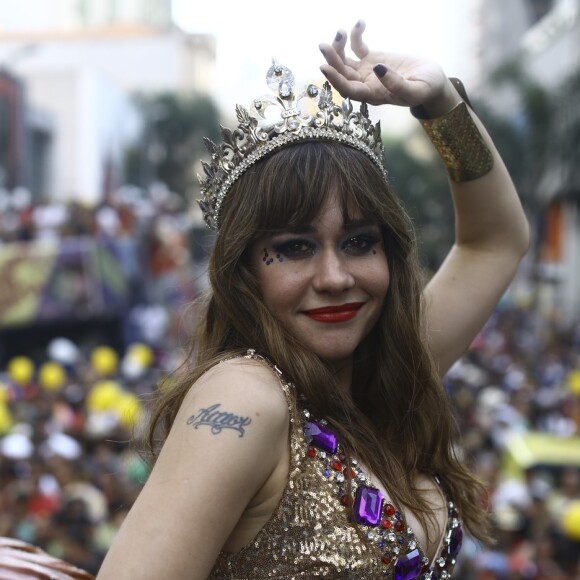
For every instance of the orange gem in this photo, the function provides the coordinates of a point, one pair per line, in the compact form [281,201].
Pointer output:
[389,509]
[311,452]
[336,465]
[352,472]
[387,524]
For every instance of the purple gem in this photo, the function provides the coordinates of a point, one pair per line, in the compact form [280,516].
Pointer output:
[368,505]
[455,542]
[321,437]
[409,566]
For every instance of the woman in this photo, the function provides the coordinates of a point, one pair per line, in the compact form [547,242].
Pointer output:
[321,444]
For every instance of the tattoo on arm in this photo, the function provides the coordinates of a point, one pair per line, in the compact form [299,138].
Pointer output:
[217,420]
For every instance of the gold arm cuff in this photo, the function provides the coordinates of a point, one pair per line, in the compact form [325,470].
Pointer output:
[457,139]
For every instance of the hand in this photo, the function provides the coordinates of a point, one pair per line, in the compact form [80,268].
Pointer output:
[381,78]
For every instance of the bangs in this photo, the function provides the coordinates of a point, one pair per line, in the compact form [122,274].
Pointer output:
[289,188]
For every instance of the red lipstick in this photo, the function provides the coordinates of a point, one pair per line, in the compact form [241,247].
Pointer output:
[340,313]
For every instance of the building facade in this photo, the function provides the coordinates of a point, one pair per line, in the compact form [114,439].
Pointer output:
[81,63]
[540,41]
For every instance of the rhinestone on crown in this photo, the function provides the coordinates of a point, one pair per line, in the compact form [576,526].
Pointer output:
[276,121]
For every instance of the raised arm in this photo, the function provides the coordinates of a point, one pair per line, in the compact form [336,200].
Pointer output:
[491,229]
[226,442]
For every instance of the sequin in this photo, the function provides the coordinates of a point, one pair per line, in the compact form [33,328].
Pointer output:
[310,533]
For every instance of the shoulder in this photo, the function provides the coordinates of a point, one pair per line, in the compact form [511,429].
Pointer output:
[243,388]
[243,379]
[226,445]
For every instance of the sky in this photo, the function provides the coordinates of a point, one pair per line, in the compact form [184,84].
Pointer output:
[250,34]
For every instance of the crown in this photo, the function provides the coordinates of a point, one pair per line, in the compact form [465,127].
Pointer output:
[278,120]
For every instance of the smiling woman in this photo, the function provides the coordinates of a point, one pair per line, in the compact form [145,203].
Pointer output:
[327,265]
[311,435]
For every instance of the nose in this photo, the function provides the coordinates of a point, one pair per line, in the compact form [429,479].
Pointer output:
[332,273]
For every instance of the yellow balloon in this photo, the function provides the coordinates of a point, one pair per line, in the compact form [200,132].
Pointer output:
[142,353]
[5,419]
[574,381]
[129,408]
[20,370]
[571,520]
[104,396]
[51,376]
[104,360]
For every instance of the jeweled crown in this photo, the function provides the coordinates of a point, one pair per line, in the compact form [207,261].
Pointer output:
[276,121]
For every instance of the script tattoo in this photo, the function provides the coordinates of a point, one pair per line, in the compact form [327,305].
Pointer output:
[218,420]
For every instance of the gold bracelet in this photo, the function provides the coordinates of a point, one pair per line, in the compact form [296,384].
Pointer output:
[460,144]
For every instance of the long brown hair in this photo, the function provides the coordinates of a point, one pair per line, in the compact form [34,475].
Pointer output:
[398,421]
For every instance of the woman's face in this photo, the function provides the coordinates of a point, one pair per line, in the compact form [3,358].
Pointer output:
[325,282]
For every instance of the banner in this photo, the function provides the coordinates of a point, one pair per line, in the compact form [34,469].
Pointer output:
[74,278]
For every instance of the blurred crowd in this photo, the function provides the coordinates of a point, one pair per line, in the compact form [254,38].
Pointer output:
[158,246]
[152,231]
[68,470]
[517,397]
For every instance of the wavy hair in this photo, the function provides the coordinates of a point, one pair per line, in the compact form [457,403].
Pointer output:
[398,420]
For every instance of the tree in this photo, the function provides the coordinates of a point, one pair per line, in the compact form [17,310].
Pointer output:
[172,140]
[421,184]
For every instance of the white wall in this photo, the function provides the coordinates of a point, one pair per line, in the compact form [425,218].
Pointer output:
[94,119]
[86,81]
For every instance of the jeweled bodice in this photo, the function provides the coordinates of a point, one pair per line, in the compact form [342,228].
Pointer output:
[311,534]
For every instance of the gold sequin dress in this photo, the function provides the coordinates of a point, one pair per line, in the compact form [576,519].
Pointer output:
[311,532]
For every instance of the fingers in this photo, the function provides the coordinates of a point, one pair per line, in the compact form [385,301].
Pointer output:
[357,44]
[356,90]
[335,53]
[339,43]
[409,92]
[337,62]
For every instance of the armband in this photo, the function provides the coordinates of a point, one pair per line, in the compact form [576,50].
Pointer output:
[458,141]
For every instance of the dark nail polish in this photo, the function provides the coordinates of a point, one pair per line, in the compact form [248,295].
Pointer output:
[380,70]
[323,52]
[357,25]
[324,73]
[338,37]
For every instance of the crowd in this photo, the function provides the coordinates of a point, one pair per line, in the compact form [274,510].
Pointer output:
[151,235]
[68,472]
[152,231]
[517,396]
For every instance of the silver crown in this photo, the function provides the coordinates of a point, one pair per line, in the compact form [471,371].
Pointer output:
[276,121]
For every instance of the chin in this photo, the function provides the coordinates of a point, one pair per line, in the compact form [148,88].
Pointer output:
[334,356]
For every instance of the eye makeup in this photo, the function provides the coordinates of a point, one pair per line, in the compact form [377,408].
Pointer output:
[267,259]
[357,241]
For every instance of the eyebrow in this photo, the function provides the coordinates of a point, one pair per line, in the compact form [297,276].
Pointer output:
[309,229]
[359,223]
